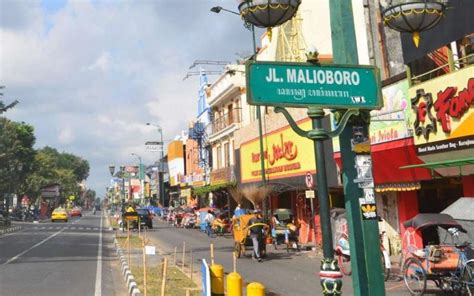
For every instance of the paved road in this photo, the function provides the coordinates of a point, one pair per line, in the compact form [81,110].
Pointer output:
[74,258]
[283,274]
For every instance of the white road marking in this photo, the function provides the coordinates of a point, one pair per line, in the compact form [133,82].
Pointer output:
[98,274]
[36,245]
[88,228]
[51,227]
[81,228]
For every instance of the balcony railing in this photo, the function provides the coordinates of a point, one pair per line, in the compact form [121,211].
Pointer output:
[220,123]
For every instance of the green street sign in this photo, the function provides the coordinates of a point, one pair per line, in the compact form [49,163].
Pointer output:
[304,84]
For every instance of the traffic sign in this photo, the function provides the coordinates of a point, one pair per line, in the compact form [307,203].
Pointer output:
[305,84]
[309,180]
[309,193]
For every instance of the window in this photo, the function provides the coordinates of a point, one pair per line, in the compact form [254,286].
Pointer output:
[218,157]
[226,155]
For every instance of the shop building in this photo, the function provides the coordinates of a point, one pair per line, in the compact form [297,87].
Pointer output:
[229,109]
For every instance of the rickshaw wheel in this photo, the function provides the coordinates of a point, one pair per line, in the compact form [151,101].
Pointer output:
[414,276]
[237,249]
[344,263]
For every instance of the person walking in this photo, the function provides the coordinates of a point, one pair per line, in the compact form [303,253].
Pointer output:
[256,234]
[209,218]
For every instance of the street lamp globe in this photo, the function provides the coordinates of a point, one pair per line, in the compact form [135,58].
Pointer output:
[112,170]
[268,13]
[408,16]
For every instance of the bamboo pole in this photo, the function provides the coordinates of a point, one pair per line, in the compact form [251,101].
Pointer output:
[212,254]
[163,279]
[139,227]
[192,269]
[144,267]
[234,261]
[175,253]
[184,252]
[128,242]
[188,292]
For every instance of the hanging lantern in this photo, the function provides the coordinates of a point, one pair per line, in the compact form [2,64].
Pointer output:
[268,13]
[413,16]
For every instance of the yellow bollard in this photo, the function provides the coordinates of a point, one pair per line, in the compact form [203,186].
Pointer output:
[255,289]
[217,280]
[234,284]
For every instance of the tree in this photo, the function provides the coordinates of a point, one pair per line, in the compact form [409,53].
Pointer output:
[16,155]
[3,107]
[65,169]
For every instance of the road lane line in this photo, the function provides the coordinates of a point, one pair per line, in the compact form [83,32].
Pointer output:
[36,245]
[98,274]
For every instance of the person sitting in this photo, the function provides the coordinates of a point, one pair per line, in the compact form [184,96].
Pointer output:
[218,224]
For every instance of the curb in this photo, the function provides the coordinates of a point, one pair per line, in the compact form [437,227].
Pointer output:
[9,230]
[127,274]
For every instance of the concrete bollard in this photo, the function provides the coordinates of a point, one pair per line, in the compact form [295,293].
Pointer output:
[234,284]
[255,289]
[217,280]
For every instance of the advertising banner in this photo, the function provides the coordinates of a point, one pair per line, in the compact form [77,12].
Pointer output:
[286,154]
[390,122]
[442,113]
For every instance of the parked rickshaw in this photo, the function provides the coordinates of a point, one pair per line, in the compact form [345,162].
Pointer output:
[242,239]
[447,265]
[284,231]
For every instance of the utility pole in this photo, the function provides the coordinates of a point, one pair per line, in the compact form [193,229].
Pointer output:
[363,233]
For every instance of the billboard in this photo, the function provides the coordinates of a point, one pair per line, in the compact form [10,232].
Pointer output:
[442,113]
[286,154]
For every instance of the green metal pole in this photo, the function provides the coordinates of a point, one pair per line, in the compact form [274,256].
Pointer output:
[330,276]
[363,234]
[260,135]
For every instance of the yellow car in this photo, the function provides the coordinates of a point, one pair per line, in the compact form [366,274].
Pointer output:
[59,214]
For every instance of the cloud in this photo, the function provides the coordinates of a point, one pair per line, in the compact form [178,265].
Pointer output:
[90,74]
[65,136]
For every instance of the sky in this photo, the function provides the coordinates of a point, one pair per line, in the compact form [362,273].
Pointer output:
[89,74]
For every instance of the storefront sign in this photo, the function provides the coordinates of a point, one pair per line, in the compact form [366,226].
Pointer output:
[300,85]
[50,191]
[222,176]
[286,154]
[442,113]
[390,122]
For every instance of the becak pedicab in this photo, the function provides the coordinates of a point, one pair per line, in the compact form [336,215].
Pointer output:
[240,231]
[284,231]
[447,265]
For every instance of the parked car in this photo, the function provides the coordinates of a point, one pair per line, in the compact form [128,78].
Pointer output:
[146,218]
[59,214]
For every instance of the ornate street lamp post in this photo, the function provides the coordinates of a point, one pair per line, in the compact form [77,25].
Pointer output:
[413,16]
[161,166]
[140,176]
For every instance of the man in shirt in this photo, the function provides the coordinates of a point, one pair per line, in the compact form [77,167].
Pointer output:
[209,218]
[256,234]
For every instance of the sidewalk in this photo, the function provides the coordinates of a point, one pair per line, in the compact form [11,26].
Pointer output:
[282,273]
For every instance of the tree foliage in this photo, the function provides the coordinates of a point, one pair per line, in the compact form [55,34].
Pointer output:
[52,167]
[16,155]
[4,107]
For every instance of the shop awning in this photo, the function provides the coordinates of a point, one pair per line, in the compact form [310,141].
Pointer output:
[441,164]
[388,157]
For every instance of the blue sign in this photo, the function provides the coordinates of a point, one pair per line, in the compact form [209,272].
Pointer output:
[206,278]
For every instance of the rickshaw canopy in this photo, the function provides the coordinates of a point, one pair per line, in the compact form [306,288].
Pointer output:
[423,221]
[283,214]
